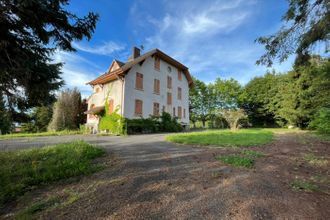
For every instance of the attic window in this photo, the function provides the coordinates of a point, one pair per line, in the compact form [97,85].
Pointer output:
[169,69]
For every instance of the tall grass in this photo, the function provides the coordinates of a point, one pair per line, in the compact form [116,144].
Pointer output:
[23,170]
[40,134]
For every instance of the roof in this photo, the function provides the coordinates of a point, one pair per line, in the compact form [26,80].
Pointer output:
[109,76]
[95,110]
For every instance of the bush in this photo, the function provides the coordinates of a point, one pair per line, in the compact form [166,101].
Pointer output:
[112,123]
[164,123]
[321,121]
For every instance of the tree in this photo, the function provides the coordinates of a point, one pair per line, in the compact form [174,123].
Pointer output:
[31,31]
[5,119]
[307,23]
[66,111]
[227,93]
[233,116]
[303,92]
[201,100]
[42,116]
[257,99]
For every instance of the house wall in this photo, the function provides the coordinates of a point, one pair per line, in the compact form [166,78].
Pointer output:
[114,89]
[147,94]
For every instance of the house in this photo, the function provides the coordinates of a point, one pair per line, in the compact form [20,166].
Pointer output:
[143,86]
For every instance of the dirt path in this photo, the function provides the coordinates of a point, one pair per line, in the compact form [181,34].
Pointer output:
[153,179]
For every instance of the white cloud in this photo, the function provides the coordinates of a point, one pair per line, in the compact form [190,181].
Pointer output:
[205,36]
[107,48]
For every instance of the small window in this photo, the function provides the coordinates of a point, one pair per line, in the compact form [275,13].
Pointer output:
[156,109]
[169,98]
[173,111]
[169,82]
[179,93]
[156,86]
[157,63]
[169,69]
[179,75]
[139,81]
[179,112]
[138,107]
[97,89]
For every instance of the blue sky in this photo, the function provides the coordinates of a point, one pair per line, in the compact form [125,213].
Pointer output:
[213,38]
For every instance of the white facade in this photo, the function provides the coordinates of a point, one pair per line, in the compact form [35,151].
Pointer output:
[123,92]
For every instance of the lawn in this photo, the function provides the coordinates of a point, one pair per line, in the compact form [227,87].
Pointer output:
[23,170]
[224,138]
[40,134]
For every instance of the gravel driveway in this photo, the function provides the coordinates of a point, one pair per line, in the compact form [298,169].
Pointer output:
[154,179]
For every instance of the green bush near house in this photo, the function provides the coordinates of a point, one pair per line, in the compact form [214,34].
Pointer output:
[112,123]
[23,170]
[321,121]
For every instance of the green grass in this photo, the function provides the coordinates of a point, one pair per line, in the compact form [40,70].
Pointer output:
[315,161]
[237,161]
[49,133]
[23,170]
[303,185]
[224,138]
[252,154]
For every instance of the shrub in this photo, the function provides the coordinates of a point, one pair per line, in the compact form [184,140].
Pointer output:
[169,124]
[321,121]
[113,123]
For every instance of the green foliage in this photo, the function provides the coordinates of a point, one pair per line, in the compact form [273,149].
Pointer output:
[237,161]
[31,31]
[42,116]
[233,117]
[303,185]
[23,170]
[49,133]
[224,138]
[5,119]
[252,154]
[227,92]
[321,121]
[67,110]
[306,25]
[164,123]
[28,127]
[113,123]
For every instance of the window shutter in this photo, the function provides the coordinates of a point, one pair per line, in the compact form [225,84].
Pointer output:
[169,82]
[139,81]
[179,75]
[169,98]
[157,63]
[156,86]
[156,109]
[179,93]
[110,106]
[179,112]
[138,107]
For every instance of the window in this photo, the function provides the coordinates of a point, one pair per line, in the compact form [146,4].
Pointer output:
[91,116]
[110,110]
[156,86]
[173,111]
[169,69]
[163,110]
[97,90]
[139,81]
[179,75]
[138,107]
[179,112]
[169,82]
[184,113]
[179,93]
[157,63]
[156,109]
[169,98]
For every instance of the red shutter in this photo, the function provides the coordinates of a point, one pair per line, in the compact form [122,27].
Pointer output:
[179,112]
[139,81]
[110,106]
[169,98]
[156,109]
[156,86]
[179,75]
[138,107]
[157,63]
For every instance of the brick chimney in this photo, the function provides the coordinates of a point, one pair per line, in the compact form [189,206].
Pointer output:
[135,52]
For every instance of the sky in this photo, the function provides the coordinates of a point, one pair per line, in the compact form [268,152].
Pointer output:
[213,38]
